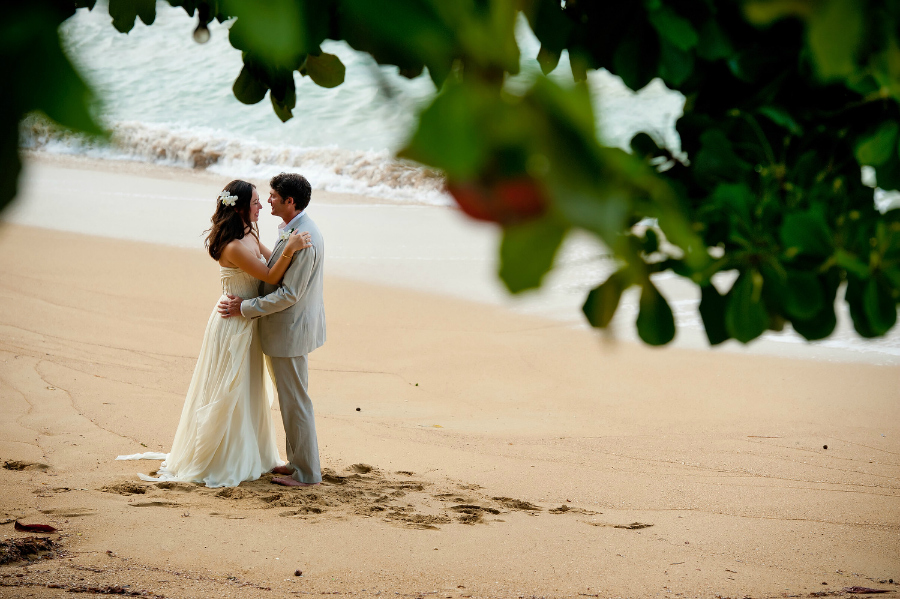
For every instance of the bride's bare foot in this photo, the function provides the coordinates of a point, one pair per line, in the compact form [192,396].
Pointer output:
[290,482]
[283,470]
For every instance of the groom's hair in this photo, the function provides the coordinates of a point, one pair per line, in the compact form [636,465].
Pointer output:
[292,185]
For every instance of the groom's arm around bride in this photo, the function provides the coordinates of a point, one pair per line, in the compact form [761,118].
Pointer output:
[291,323]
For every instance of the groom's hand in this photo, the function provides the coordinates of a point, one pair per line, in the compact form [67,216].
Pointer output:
[230,307]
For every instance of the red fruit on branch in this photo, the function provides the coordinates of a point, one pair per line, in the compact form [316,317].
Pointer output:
[506,201]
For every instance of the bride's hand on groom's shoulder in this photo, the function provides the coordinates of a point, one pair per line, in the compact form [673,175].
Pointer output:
[299,240]
[229,307]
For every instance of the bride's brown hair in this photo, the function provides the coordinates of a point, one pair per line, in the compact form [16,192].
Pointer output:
[231,222]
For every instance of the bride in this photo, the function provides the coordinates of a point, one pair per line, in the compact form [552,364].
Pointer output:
[226,433]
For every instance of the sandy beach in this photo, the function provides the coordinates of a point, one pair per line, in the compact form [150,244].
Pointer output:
[471,450]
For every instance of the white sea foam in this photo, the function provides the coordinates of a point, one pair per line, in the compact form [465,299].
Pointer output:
[363,172]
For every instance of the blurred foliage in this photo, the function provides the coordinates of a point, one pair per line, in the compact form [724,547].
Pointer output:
[786,101]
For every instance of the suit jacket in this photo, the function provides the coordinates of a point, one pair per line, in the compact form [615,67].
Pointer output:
[292,313]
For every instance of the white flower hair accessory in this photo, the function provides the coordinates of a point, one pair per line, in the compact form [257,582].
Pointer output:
[227,199]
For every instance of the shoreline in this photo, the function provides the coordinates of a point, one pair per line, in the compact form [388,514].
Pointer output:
[201,176]
[479,426]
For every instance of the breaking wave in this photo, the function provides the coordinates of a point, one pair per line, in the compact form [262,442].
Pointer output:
[360,172]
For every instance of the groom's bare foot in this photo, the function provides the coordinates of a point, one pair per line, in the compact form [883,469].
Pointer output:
[290,482]
[282,470]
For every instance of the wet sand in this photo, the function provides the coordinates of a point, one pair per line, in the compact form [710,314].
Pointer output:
[493,454]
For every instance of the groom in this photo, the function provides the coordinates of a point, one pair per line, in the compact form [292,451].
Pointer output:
[291,324]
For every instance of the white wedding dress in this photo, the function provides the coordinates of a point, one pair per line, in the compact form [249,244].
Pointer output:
[226,433]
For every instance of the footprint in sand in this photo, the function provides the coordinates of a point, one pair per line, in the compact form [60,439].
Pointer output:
[126,488]
[154,504]
[176,486]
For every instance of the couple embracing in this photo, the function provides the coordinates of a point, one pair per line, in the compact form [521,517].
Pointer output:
[270,316]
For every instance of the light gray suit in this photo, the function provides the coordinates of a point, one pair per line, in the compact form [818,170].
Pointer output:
[292,324]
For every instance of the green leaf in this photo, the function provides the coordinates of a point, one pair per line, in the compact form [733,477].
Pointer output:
[716,161]
[548,60]
[550,25]
[407,32]
[578,66]
[745,315]
[279,32]
[878,147]
[834,33]
[644,146]
[807,233]
[450,135]
[636,57]
[712,311]
[527,251]
[655,322]
[887,174]
[735,199]
[603,300]
[855,297]
[803,295]
[283,95]
[326,70]
[851,263]
[9,159]
[124,13]
[674,28]
[879,305]
[247,88]
[819,327]
[675,64]
[650,242]
[714,43]
[782,118]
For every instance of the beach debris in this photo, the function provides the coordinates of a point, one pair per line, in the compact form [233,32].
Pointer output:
[107,590]
[358,410]
[516,504]
[298,573]
[864,590]
[17,465]
[34,527]
[633,526]
[824,447]
[16,550]
[567,509]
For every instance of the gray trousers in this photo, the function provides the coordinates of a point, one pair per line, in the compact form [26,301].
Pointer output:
[292,381]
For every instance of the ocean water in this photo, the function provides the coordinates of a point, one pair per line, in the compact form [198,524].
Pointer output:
[168,100]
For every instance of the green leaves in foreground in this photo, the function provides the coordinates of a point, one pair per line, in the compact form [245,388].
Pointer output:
[38,76]
[527,252]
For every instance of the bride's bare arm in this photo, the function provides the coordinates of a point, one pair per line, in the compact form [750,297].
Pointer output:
[266,252]
[241,256]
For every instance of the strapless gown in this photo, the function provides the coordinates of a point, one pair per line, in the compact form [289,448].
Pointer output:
[226,434]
